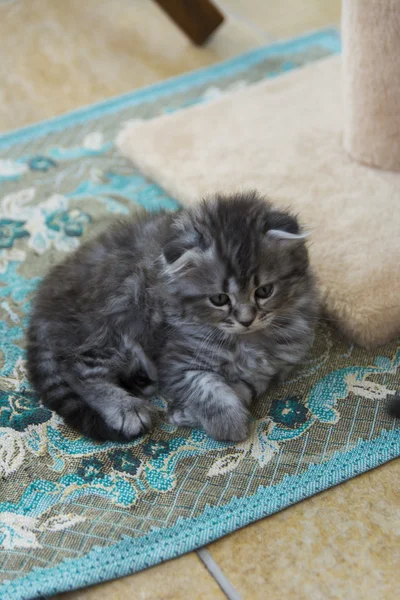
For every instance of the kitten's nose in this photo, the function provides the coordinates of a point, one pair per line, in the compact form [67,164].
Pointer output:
[246,323]
[245,315]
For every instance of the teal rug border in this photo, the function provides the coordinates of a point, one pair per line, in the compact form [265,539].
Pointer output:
[134,554]
[328,38]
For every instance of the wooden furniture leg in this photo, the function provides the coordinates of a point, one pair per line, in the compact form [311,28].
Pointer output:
[198,19]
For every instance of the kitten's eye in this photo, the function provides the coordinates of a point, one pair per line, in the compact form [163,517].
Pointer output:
[219,299]
[265,291]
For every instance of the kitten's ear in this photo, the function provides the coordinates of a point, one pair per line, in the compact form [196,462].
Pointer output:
[278,234]
[282,226]
[188,245]
[174,250]
[282,221]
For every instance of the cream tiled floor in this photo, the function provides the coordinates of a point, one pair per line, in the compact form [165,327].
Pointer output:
[57,56]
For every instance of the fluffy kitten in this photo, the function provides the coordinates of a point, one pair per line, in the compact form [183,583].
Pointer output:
[208,303]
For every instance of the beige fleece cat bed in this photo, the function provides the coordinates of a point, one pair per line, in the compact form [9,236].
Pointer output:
[284,137]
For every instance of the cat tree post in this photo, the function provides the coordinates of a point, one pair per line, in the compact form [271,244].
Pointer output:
[371,81]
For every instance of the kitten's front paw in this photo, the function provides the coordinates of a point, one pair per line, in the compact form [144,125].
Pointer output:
[130,421]
[231,426]
[243,391]
[138,420]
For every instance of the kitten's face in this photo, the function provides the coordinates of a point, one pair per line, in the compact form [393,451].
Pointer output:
[242,306]
[235,273]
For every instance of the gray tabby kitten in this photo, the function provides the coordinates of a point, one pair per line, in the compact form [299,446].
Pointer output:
[206,304]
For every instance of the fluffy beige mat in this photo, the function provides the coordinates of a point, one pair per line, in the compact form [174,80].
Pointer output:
[284,138]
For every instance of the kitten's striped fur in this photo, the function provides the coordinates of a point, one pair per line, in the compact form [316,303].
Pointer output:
[131,310]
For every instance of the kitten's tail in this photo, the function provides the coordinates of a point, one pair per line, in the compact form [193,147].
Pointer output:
[76,413]
[393,407]
[57,395]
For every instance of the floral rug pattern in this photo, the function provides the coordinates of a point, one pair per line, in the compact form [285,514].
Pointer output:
[69,503]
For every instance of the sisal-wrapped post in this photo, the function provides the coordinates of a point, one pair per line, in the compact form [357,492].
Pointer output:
[371,81]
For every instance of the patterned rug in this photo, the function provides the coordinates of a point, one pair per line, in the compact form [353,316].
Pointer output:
[73,512]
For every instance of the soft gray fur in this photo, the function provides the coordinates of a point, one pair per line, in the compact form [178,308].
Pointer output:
[135,309]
